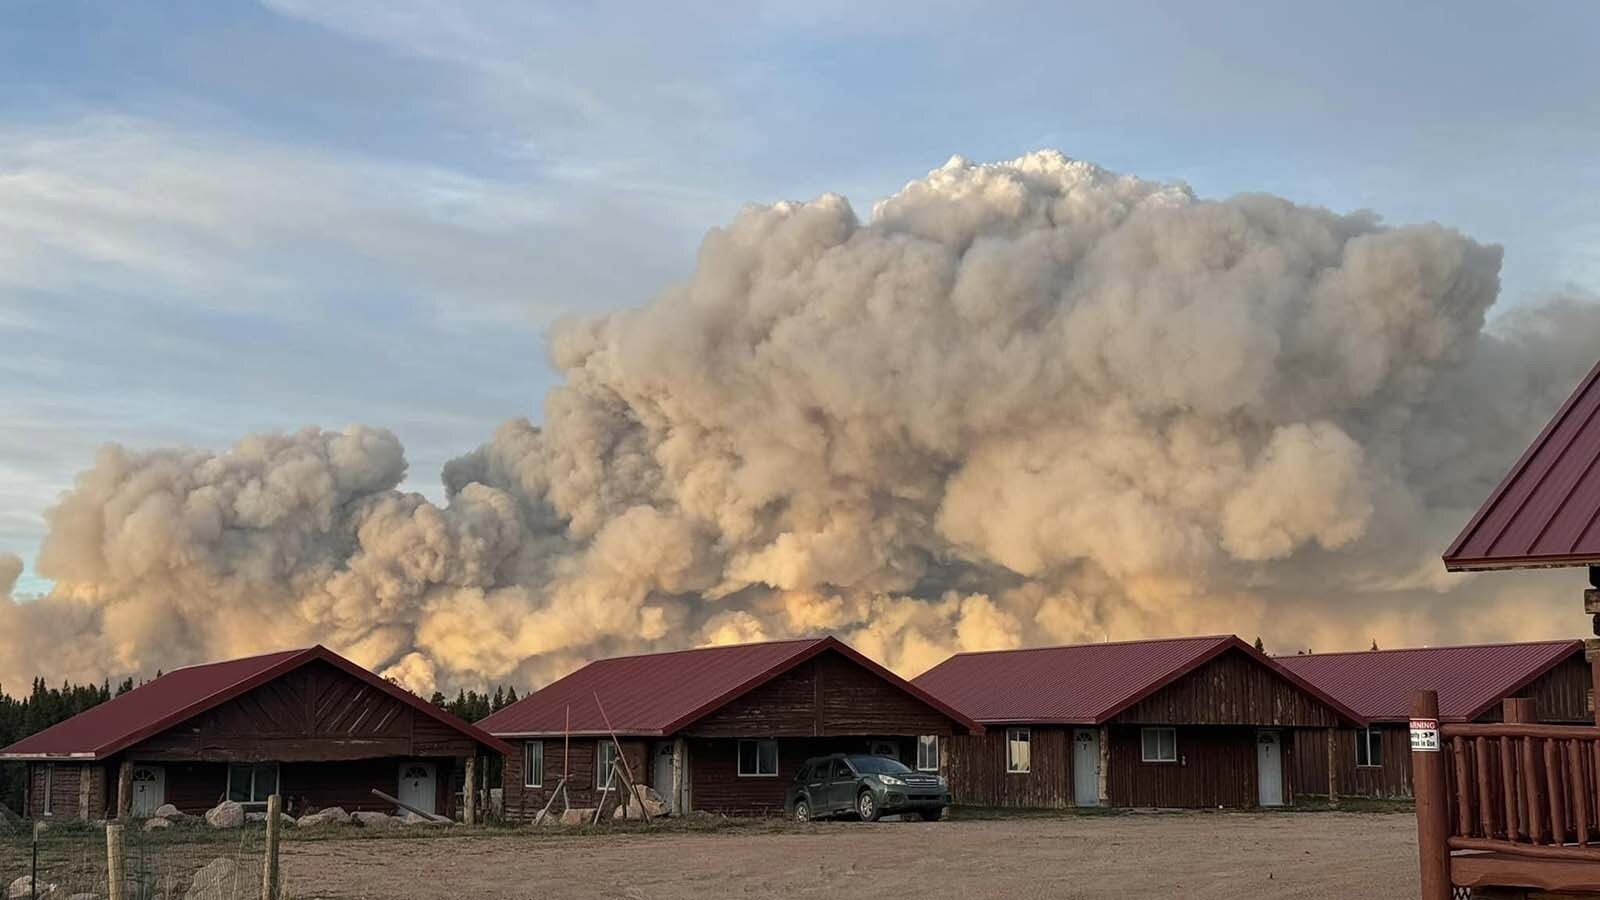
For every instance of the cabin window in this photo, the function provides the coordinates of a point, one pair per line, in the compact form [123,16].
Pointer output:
[758,759]
[252,782]
[605,760]
[1158,744]
[1369,748]
[1018,759]
[49,788]
[533,764]
[928,753]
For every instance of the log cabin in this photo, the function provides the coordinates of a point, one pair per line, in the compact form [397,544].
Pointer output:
[1180,722]
[717,729]
[1472,681]
[307,724]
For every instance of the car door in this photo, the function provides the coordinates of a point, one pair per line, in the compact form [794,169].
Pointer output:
[815,785]
[841,787]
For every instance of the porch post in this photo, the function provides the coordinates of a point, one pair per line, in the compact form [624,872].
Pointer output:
[1105,765]
[125,789]
[1333,769]
[85,773]
[1591,647]
[680,793]
[469,793]
[1433,807]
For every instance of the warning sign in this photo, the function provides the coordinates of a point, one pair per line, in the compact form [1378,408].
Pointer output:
[1424,735]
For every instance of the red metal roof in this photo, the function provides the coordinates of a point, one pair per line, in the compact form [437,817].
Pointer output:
[1082,684]
[1546,512]
[662,693]
[182,694]
[1470,679]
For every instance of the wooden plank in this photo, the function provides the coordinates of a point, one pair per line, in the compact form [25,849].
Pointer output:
[1502,869]
[1577,792]
[1463,787]
[1508,790]
[1480,766]
[1530,788]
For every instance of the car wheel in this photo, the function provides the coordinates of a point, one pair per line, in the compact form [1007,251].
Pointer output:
[867,807]
[802,811]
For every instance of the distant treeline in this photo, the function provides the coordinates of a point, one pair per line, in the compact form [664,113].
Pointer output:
[45,706]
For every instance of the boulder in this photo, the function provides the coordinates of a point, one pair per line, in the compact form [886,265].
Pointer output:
[169,812]
[333,815]
[157,823]
[23,887]
[260,818]
[375,820]
[644,799]
[220,879]
[226,814]
[411,818]
[577,817]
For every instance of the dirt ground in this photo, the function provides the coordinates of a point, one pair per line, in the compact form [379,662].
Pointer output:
[1206,856]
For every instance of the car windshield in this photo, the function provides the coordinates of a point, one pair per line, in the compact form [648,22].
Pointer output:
[878,765]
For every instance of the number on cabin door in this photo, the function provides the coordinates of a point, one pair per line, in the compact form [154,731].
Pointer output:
[149,790]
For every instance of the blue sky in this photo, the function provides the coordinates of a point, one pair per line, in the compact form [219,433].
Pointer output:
[223,217]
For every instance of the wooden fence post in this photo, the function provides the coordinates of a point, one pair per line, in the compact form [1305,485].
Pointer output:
[269,862]
[114,867]
[1433,807]
[469,795]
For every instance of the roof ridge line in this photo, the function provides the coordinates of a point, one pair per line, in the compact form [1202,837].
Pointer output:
[221,662]
[1482,646]
[1160,640]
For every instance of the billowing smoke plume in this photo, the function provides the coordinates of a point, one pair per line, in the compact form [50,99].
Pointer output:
[1023,403]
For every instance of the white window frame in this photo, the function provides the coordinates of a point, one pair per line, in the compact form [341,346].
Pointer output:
[49,788]
[532,775]
[605,752]
[1156,732]
[1368,736]
[760,744]
[928,747]
[277,782]
[1016,736]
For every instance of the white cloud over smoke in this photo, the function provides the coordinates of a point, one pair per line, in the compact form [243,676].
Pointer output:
[1025,402]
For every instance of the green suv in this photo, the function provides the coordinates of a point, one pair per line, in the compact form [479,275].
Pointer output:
[869,786]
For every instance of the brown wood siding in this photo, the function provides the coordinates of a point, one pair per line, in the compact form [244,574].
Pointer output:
[315,713]
[1232,689]
[1560,695]
[857,701]
[826,696]
[1308,764]
[1216,767]
[523,803]
[716,786]
[64,796]
[976,768]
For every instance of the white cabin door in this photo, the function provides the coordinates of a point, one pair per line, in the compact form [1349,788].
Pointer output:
[663,776]
[149,790]
[1086,767]
[417,785]
[1269,766]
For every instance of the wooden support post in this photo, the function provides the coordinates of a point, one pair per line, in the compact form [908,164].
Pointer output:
[1591,652]
[125,790]
[84,793]
[622,757]
[1333,766]
[1433,806]
[680,790]
[269,863]
[469,793]
[1105,766]
[114,866]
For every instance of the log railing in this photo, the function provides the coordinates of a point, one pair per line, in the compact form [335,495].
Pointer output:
[1524,789]
[1515,787]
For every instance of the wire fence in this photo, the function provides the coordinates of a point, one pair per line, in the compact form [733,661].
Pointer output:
[184,861]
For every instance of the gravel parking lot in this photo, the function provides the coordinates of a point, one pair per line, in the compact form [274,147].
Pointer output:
[1190,855]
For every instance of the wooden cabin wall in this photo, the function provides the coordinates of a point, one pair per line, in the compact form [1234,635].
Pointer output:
[1308,764]
[523,803]
[1233,689]
[976,768]
[1217,767]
